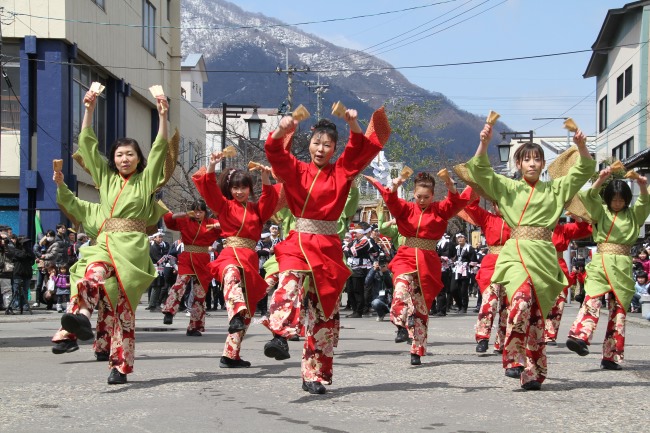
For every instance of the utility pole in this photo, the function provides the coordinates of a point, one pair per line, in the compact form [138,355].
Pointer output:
[290,70]
[319,89]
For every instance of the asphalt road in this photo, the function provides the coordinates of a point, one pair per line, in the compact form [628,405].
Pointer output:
[178,386]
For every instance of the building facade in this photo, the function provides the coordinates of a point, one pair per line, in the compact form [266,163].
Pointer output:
[52,52]
[620,64]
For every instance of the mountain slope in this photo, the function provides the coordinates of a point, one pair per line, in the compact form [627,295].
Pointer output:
[233,47]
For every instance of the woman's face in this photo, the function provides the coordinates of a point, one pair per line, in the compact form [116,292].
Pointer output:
[321,149]
[423,196]
[618,203]
[240,193]
[126,160]
[200,214]
[531,166]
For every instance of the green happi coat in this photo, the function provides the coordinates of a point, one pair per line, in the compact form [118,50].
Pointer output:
[131,198]
[613,272]
[81,211]
[538,205]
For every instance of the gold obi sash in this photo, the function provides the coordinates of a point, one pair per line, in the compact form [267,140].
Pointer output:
[237,242]
[316,227]
[530,233]
[195,249]
[125,225]
[610,248]
[423,244]
[494,249]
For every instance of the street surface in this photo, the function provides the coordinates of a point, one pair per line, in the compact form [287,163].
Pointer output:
[178,386]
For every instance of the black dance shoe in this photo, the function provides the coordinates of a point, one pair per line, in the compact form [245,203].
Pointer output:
[415,359]
[482,346]
[168,319]
[514,372]
[77,324]
[193,333]
[402,335]
[101,356]
[609,365]
[226,362]
[277,348]
[313,387]
[533,385]
[236,325]
[65,346]
[116,378]
[577,346]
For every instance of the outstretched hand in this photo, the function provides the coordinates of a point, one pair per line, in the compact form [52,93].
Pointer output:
[58,178]
[580,139]
[486,134]
[286,125]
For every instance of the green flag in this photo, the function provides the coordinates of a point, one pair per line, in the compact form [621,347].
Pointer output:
[38,228]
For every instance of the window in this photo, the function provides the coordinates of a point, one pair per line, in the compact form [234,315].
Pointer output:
[149,27]
[82,77]
[624,85]
[628,81]
[624,150]
[169,7]
[10,96]
[602,114]
[100,3]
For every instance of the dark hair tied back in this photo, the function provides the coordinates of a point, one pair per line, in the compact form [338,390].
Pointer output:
[425,180]
[325,126]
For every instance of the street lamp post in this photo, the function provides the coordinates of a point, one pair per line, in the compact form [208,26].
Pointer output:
[504,146]
[233,111]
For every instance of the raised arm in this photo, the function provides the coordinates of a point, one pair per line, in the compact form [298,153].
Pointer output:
[206,184]
[395,205]
[284,164]
[641,207]
[88,144]
[153,174]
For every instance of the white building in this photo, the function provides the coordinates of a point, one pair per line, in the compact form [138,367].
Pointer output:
[620,64]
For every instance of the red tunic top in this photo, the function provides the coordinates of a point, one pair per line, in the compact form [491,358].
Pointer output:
[319,194]
[496,232]
[562,237]
[244,221]
[193,233]
[415,223]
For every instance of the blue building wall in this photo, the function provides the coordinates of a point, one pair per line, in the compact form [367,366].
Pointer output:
[45,128]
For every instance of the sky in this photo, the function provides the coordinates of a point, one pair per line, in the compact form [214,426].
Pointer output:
[520,90]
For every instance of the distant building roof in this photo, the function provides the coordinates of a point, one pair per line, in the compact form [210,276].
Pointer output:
[196,62]
[191,60]
[605,38]
[560,144]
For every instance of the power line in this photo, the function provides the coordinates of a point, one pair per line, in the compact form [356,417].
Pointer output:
[265,26]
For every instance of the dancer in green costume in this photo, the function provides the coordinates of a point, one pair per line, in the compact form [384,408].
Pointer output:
[126,184]
[609,274]
[527,265]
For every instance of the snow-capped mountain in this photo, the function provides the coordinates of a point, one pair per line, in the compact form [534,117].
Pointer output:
[252,46]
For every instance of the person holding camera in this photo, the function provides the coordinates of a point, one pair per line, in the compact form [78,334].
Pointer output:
[379,281]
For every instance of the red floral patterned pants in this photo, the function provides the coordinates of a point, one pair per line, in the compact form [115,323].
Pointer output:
[235,304]
[494,299]
[321,333]
[197,310]
[525,345]
[554,316]
[585,324]
[285,319]
[116,328]
[409,310]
